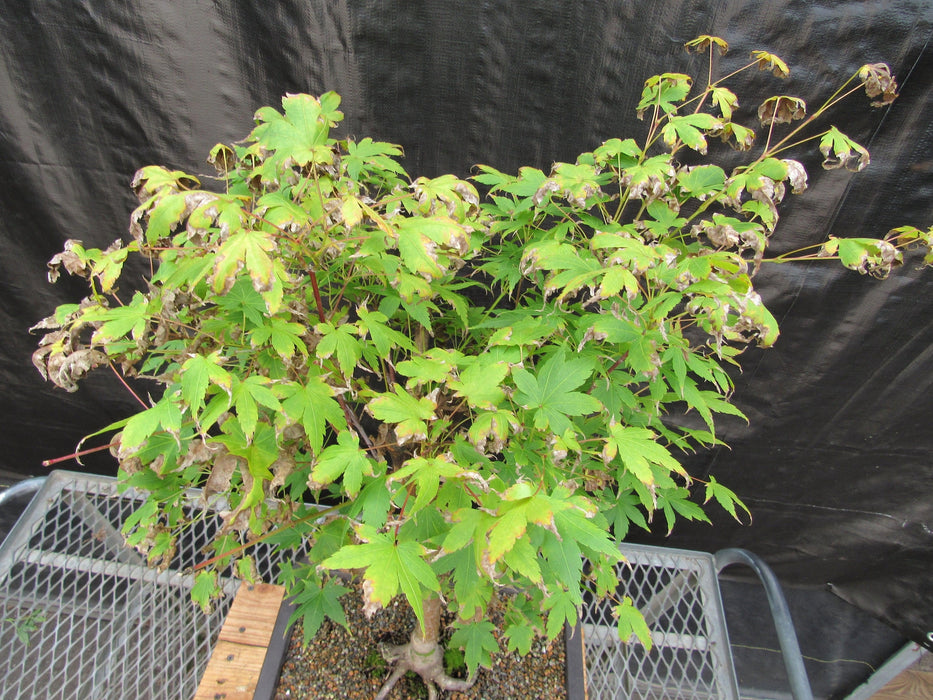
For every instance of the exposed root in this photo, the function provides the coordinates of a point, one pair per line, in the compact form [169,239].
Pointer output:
[427,660]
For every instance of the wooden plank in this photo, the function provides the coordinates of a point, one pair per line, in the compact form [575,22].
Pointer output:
[233,670]
[909,684]
[252,615]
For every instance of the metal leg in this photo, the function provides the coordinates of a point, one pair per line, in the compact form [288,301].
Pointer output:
[787,637]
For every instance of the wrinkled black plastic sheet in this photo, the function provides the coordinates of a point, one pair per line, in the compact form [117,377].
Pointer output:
[836,462]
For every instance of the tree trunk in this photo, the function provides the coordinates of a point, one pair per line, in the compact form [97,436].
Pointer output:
[431,633]
[423,655]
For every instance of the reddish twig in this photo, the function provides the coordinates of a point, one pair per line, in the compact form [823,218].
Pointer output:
[127,386]
[80,453]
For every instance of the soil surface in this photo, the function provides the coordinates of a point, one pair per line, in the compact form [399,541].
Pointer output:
[347,666]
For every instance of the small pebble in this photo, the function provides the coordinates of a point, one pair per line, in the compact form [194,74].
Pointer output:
[342,665]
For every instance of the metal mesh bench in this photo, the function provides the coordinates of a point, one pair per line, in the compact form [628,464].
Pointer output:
[83,616]
[678,593]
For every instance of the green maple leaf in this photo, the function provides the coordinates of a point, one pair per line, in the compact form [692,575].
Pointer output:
[562,608]
[384,338]
[342,342]
[408,412]
[632,623]
[615,280]
[370,156]
[572,524]
[165,415]
[725,497]
[243,305]
[345,458]
[481,382]
[656,167]
[522,558]
[472,590]
[469,524]
[565,561]
[506,531]
[313,405]
[521,506]
[284,336]
[435,366]
[478,643]
[372,505]
[447,193]
[205,589]
[492,426]
[665,220]
[120,320]
[425,242]
[279,210]
[616,151]
[638,449]
[688,129]
[164,216]
[520,637]
[664,91]
[623,512]
[528,182]
[426,473]
[725,99]
[550,393]
[259,452]
[154,179]
[247,395]
[315,604]
[577,182]
[390,566]
[702,180]
[197,374]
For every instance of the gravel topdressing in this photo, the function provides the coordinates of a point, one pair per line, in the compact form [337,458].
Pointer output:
[346,665]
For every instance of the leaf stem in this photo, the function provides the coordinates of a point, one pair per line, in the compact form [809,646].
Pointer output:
[317,296]
[79,453]
[127,387]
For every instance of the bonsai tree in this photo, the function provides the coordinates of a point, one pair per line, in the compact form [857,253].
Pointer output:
[442,392]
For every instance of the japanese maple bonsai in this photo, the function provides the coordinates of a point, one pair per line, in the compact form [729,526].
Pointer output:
[446,392]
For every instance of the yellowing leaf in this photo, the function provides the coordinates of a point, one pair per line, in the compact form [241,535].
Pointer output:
[390,566]
[426,474]
[408,412]
[481,383]
[705,42]
[768,61]
[249,249]
[298,134]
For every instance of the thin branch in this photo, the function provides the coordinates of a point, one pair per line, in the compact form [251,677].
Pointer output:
[127,387]
[79,453]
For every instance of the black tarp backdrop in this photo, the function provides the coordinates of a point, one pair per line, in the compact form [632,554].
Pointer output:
[835,464]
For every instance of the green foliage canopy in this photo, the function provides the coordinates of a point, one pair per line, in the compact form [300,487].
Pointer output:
[446,392]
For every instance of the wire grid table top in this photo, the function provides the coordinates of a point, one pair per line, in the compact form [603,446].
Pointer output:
[83,616]
[677,591]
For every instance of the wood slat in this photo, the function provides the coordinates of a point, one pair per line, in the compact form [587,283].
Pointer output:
[235,665]
[252,615]
[232,672]
[909,684]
